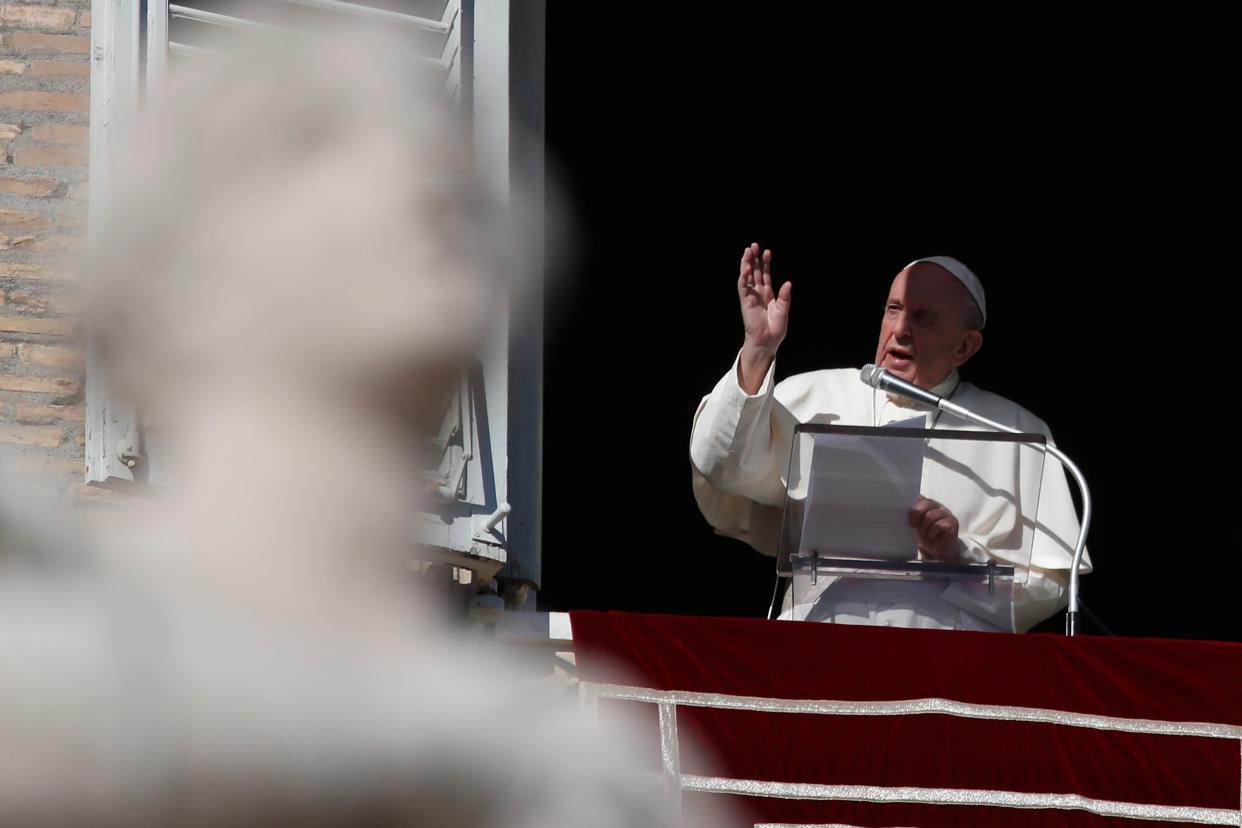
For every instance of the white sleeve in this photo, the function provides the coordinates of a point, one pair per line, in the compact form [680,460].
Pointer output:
[731,445]
[1056,522]
[1045,590]
[738,447]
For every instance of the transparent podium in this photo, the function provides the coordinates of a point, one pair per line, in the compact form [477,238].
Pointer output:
[850,491]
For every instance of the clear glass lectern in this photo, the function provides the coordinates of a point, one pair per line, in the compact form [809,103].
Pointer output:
[850,490]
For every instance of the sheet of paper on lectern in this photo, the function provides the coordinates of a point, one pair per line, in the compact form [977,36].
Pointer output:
[859,495]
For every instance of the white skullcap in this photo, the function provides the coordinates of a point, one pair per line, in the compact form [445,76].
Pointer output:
[964,275]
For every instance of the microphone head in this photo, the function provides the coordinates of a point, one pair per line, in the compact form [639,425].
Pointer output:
[871,375]
[881,379]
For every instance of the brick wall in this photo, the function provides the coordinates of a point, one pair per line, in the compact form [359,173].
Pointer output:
[44,102]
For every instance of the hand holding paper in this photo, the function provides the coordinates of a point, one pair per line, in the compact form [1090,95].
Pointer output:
[936,528]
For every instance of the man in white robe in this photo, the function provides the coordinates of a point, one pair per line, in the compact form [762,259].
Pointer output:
[978,503]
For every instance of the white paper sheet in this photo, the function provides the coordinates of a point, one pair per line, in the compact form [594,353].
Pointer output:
[859,494]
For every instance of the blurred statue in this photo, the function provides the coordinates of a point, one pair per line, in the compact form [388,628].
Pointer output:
[296,264]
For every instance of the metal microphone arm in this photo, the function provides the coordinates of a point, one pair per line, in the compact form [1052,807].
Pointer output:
[1071,615]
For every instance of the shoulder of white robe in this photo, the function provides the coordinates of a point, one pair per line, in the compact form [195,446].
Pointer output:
[1002,409]
[804,388]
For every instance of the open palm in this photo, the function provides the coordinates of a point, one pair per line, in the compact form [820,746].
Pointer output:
[765,311]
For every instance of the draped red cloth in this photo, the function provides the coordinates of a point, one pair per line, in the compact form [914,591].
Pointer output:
[1135,679]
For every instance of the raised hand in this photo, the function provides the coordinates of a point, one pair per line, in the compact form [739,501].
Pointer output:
[765,316]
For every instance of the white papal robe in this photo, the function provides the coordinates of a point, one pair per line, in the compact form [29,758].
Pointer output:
[739,451]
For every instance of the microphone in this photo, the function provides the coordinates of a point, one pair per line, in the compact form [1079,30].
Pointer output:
[879,378]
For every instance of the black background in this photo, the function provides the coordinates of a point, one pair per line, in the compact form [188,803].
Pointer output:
[1059,149]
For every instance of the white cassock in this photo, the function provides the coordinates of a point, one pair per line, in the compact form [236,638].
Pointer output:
[739,452]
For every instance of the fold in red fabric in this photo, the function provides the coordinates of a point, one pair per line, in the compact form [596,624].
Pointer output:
[1126,678]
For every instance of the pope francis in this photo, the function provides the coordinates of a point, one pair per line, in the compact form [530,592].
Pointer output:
[976,506]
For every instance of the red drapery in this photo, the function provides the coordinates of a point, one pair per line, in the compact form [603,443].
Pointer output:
[1143,684]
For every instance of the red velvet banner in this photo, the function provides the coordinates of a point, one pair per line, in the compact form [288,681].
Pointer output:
[1004,747]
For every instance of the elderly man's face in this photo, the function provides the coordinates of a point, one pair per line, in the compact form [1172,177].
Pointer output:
[923,335]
